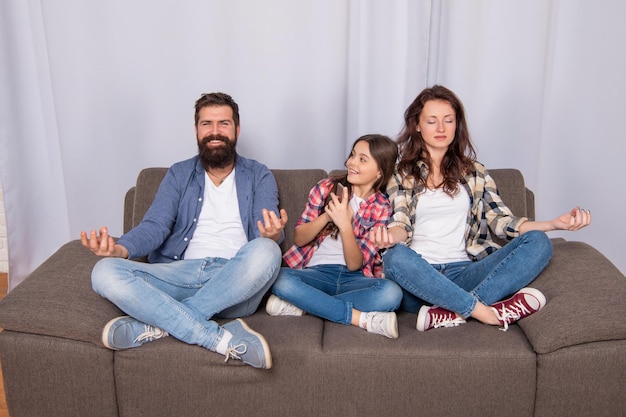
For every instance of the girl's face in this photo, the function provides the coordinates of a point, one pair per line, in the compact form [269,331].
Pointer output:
[437,124]
[363,169]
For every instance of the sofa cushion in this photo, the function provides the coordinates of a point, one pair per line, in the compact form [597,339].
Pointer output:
[585,296]
[57,299]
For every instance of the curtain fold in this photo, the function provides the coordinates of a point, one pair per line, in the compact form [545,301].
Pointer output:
[31,168]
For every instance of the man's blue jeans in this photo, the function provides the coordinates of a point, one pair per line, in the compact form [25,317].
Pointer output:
[460,286]
[181,297]
[331,291]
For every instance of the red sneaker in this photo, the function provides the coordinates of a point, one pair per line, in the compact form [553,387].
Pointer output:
[522,304]
[435,317]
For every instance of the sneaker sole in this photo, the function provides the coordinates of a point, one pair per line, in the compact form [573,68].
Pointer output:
[269,306]
[421,318]
[105,332]
[266,346]
[394,329]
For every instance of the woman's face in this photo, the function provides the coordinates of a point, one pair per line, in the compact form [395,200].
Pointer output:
[437,124]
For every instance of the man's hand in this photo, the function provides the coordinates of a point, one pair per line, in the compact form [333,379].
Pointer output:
[103,245]
[272,225]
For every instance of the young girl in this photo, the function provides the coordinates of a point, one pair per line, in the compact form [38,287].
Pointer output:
[448,259]
[333,265]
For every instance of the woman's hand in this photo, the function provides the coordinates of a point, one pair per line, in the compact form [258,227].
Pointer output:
[382,237]
[574,220]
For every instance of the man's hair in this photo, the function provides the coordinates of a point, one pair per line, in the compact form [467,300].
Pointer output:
[217,99]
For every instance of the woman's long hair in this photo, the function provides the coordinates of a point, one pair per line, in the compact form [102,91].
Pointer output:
[385,153]
[460,155]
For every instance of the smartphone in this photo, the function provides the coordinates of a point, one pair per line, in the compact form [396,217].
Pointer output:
[340,188]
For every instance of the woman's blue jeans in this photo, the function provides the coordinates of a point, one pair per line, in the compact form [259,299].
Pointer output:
[460,286]
[181,297]
[332,291]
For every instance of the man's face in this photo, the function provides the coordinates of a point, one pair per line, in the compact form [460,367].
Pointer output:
[217,136]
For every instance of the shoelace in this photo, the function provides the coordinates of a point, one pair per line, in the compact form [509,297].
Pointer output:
[445,320]
[512,314]
[151,333]
[235,351]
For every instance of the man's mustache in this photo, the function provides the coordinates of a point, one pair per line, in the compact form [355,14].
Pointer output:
[210,138]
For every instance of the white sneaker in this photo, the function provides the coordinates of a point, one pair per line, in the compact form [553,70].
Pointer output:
[277,307]
[383,323]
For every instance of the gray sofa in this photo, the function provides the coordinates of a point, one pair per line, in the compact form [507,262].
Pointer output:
[567,360]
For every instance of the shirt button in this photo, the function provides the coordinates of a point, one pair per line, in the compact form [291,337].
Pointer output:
[200,199]
[185,239]
[175,257]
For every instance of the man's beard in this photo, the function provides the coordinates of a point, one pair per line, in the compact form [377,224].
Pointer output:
[217,157]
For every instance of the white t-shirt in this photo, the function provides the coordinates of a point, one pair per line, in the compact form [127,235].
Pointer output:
[440,224]
[219,232]
[330,251]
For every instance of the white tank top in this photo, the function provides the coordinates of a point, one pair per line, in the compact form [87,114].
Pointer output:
[440,224]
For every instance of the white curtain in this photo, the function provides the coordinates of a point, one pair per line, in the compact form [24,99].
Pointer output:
[92,92]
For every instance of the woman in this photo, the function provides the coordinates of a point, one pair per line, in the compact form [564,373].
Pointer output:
[449,267]
[333,264]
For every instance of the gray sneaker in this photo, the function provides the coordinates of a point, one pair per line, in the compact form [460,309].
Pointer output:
[247,345]
[383,323]
[278,307]
[126,332]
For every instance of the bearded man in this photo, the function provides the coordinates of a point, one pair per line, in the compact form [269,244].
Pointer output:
[211,237]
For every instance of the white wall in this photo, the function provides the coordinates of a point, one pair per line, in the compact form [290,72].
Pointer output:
[4,248]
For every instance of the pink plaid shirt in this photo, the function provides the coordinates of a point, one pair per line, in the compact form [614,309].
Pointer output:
[373,212]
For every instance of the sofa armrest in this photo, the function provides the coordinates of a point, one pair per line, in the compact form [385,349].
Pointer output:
[129,203]
[585,295]
[57,299]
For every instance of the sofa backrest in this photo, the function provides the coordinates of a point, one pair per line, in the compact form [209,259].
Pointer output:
[293,190]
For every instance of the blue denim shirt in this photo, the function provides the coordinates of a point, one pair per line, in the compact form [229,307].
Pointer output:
[169,223]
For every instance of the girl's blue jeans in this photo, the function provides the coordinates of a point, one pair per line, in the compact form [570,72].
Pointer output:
[181,297]
[332,291]
[460,286]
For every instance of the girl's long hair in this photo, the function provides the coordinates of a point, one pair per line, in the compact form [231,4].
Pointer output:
[385,153]
[460,155]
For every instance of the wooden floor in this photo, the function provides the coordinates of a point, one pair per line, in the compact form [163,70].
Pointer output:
[4,412]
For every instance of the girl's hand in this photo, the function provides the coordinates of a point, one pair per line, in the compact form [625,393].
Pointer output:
[574,220]
[381,237]
[340,211]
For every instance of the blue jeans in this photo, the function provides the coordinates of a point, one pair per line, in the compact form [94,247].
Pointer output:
[332,291]
[460,286]
[181,297]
